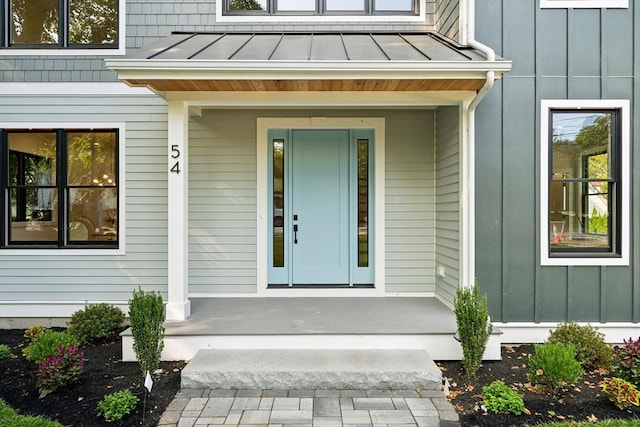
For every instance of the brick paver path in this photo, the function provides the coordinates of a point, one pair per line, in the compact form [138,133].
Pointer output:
[313,408]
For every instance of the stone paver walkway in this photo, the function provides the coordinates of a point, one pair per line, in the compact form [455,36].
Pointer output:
[313,408]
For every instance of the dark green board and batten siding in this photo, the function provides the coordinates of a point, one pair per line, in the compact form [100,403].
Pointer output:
[556,54]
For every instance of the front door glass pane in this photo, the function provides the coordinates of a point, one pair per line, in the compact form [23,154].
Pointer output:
[34,22]
[363,203]
[296,5]
[278,203]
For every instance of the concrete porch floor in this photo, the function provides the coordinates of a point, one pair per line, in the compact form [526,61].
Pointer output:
[393,323]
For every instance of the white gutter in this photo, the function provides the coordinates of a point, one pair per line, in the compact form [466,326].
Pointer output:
[468,196]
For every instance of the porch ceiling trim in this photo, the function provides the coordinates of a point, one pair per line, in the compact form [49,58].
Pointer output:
[259,62]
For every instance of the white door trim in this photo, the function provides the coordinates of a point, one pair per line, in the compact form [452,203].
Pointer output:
[262,238]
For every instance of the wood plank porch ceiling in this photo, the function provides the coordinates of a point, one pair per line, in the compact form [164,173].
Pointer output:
[378,62]
[377,85]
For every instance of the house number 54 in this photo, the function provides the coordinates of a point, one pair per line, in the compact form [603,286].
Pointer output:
[175,154]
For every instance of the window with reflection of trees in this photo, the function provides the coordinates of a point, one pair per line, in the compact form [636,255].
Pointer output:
[584,200]
[60,23]
[356,7]
[61,188]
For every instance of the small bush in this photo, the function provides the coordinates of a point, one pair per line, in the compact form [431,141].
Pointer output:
[498,397]
[552,365]
[627,361]
[46,344]
[114,406]
[474,328]
[95,322]
[622,393]
[146,314]
[5,352]
[62,369]
[34,332]
[591,350]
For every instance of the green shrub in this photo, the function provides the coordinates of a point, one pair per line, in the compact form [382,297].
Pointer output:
[622,393]
[5,352]
[146,314]
[46,344]
[591,350]
[95,322]
[553,364]
[474,328]
[627,361]
[114,406]
[498,397]
[10,418]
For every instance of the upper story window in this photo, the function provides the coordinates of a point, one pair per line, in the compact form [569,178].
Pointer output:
[585,184]
[584,4]
[60,188]
[320,7]
[76,24]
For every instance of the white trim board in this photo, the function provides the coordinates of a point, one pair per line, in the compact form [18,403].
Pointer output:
[528,332]
[71,88]
[263,126]
[584,4]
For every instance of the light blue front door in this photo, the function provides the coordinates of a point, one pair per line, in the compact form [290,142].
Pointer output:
[320,207]
[320,196]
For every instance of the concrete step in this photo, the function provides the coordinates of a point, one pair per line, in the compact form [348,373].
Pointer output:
[312,369]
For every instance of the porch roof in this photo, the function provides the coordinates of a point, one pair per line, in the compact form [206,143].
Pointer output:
[296,61]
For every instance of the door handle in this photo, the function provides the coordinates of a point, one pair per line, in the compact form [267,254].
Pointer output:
[295,233]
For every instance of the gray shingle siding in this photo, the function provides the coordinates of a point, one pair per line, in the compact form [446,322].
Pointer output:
[149,20]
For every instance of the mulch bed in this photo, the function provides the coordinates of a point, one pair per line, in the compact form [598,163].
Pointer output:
[103,373]
[583,401]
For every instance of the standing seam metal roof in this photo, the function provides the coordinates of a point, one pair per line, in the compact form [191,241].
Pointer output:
[311,46]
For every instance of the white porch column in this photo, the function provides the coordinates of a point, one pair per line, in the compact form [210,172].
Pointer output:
[178,306]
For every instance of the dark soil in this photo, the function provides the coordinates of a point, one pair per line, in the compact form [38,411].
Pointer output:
[104,373]
[582,401]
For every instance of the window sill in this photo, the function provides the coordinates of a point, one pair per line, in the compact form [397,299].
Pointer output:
[591,261]
[586,4]
[62,252]
[61,52]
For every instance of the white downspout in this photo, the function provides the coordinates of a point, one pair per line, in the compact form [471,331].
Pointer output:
[467,10]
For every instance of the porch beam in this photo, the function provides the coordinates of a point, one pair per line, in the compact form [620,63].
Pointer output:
[178,306]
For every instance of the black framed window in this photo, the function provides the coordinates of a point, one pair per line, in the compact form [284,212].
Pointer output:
[321,7]
[28,24]
[584,182]
[60,188]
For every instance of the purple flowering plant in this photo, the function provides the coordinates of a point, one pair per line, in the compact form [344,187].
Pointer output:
[627,363]
[59,370]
